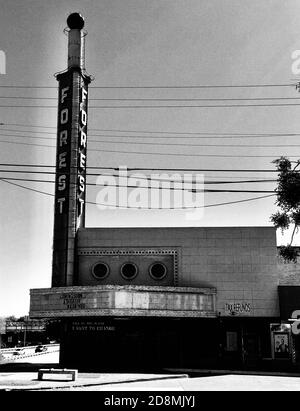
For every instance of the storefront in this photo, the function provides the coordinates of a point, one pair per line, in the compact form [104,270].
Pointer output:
[288,339]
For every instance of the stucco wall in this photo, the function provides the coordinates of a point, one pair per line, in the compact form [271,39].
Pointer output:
[240,262]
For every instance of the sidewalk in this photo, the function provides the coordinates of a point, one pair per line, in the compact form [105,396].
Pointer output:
[27,381]
[209,372]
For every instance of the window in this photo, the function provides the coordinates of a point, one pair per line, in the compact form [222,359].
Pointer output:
[129,271]
[100,270]
[158,271]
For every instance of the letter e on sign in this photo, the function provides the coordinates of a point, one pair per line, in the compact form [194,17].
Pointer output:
[62,160]
[82,160]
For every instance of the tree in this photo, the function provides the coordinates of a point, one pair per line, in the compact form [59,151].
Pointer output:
[11,318]
[288,200]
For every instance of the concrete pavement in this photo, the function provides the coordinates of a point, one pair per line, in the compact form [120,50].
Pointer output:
[25,381]
[214,383]
[20,373]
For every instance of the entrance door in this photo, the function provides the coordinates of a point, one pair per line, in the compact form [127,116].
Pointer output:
[251,350]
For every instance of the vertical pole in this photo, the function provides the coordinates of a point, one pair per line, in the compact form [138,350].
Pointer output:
[25,328]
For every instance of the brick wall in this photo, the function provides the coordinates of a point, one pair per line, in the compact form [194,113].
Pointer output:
[289,273]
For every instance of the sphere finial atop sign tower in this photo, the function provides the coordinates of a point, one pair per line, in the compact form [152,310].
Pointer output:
[76,44]
[75,21]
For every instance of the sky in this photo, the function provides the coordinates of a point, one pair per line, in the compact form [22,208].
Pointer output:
[142,43]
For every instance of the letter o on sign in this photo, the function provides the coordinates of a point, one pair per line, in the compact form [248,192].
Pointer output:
[64,116]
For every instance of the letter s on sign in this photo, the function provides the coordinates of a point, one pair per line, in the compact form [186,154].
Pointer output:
[62,182]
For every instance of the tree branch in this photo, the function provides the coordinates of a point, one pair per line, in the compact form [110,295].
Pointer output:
[292,238]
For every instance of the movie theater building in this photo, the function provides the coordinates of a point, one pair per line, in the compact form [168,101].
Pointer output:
[151,298]
[167,297]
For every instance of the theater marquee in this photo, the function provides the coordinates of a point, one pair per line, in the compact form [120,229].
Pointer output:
[131,301]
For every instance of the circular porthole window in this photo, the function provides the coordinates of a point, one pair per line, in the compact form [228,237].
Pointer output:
[158,271]
[100,270]
[129,271]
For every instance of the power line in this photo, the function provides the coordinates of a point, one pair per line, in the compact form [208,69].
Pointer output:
[161,87]
[41,98]
[194,99]
[188,155]
[198,86]
[152,143]
[202,136]
[154,153]
[151,179]
[159,106]
[194,145]
[209,136]
[117,168]
[26,144]
[197,134]
[231,134]
[158,98]
[26,136]
[25,125]
[11,130]
[146,208]
[185,106]
[22,86]
[149,188]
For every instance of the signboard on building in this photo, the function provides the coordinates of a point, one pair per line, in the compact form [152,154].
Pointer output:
[63,175]
[82,147]
[16,326]
[289,300]
[70,185]
[240,308]
[121,301]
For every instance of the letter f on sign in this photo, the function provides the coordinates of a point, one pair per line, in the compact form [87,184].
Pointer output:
[2,62]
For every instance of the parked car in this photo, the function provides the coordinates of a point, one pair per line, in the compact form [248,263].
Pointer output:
[18,351]
[41,348]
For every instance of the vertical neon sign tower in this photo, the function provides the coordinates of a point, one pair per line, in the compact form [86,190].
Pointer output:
[70,187]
